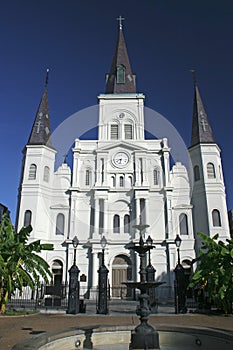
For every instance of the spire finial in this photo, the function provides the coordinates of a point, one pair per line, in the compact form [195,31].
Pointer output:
[47,78]
[120,19]
[194,76]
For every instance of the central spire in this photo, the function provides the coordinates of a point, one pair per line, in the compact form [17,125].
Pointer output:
[120,80]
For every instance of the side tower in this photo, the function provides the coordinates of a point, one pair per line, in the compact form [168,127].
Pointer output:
[43,199]
[208,197]
[37,171]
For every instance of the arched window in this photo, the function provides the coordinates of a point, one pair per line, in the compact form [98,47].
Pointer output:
[196,173]
[211,171]
[113,181]
[120,76]
[216,218]
[128,131]
[131,181]
[121,181]
[156,176]
[114,132]
[46,173]
[183,221]
[116,224]
[88,177]
[27,218]
[32,172]
[60,224]
[126,223]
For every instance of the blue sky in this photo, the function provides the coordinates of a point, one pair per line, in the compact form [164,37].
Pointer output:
[76,40]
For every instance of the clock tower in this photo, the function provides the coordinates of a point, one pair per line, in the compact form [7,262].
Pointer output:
[122,177]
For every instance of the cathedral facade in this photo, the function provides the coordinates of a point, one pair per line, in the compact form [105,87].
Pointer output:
[117,181]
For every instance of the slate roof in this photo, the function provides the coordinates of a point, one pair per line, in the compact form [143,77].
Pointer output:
[120,58]
[40,133]
[201,129]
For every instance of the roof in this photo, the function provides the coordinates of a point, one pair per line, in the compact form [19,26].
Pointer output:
[201,129]
[120,64]
[40,133]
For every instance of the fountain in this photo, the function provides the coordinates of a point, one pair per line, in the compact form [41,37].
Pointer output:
[144,336]
[118,338]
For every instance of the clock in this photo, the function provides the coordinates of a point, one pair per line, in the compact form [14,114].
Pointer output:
[120,159]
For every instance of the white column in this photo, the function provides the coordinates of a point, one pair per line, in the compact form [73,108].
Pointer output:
[146,212]
[95,267]
[97,217]
[138,213]
[104,216]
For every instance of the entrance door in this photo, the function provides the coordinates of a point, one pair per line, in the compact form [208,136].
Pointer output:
[57,269]
[121,272]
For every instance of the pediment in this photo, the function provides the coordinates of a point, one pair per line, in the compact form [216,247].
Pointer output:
[121,144]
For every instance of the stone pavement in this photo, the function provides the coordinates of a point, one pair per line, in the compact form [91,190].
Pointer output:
[16,328]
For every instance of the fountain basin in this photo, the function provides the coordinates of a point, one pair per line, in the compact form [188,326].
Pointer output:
[118,338]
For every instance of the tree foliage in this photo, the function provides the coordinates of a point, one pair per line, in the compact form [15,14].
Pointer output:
[20,264]
[214,273]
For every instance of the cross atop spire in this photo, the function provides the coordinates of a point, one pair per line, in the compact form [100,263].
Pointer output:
[120,19]
[194,76]
[47,78]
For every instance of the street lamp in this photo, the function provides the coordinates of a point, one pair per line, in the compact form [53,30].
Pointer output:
[75,243]
[73,298]
[102,307]
[179,283]
[178,241]
[150,277]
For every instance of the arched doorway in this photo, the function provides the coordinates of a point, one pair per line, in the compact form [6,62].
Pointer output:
[121,272]
[57,270]
[188,272]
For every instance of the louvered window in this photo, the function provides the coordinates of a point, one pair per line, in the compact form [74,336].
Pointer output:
[128,131]
[120,74]
[87,178]
[32,172]
[114,132]
[211,171]
[46,173]
[121,181]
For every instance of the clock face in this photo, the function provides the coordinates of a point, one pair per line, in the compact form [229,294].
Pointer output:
[120,159]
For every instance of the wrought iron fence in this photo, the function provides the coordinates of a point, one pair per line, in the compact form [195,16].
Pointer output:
[56,297]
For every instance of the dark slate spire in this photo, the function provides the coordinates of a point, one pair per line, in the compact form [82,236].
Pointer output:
[201,129]
[120,80]
[40,134]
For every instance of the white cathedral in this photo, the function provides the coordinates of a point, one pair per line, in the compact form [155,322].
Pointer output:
[114,182]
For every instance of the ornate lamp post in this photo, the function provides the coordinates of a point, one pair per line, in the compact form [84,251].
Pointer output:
[179,283]
[150,277]
[73,298]
[144,336]
[102,307]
